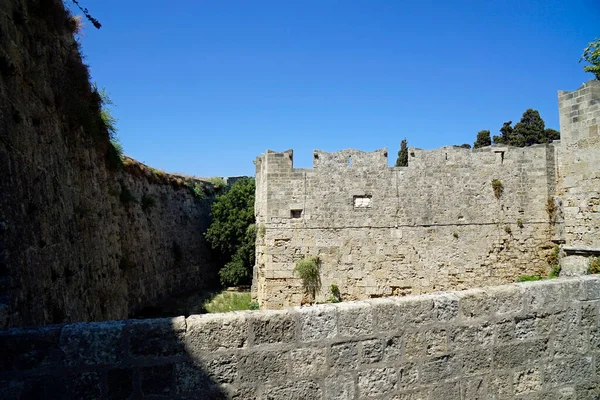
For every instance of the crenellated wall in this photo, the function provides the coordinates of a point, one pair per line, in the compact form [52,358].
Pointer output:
[378,231]
[537,340]
[80,239]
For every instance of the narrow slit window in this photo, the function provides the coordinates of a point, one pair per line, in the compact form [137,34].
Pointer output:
[296,213]
[350,162]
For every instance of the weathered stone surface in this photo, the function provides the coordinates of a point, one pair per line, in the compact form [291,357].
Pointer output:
[93,343]
[273,327]
[355,319]
[157,337]
[216,332]
[519,354]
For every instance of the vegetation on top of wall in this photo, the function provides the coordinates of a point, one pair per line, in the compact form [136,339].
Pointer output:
[591,54]
[483,139]
[227,301]
[530,130]
[336,296]
[232,232]
[529,278]
[308,269]
[402,160]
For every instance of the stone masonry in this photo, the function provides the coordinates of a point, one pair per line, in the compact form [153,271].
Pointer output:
[536,340]
[436,224]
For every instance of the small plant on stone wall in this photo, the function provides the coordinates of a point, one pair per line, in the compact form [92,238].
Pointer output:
[528,278]
[455,235]
[199,191]
[261,231]
[554,261]
[254,305]
[147,202]
[308,270]
[508,230]
[551,209]
[336,296]
[498,188]
[594,267]
[520,223]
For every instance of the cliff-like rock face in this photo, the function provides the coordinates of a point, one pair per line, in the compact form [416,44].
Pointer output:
[80,237]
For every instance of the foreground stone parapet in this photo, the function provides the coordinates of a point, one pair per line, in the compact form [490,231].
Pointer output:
[535,340]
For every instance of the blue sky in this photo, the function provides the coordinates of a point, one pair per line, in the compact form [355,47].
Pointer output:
[203,87]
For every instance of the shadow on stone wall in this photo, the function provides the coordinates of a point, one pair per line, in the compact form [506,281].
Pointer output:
[112,360]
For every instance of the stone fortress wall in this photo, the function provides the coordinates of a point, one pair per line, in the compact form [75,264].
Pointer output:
[436,224]
[77,240]
[535,340]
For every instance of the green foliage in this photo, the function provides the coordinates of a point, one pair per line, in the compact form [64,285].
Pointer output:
[232,232]
[336,296]
[520,223]
[147,202]
[483,139]
[591,54]
[217,183]
[199,191]
[402,160]
[530,130]
[594,267]
[262,230]
[463,146]
[230,301]
[529,278]
[498,188]
[254,305]
[308,270]
[455,235]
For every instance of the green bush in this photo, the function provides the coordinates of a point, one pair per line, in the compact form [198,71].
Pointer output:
[232,232]
[336,296]
[229,301]
[554,262]
[308,270]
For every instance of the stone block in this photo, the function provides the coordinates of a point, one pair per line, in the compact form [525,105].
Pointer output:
[212,332]
[88,385]
[29,348]
[385,313]
[263,366]
[119,383]
[295,390]
[377,381]
[355,319]
[419,394]
[500,385]
[408,375]
[317,322]
[477,362]
[474,388]
[590,288]
[158,380]
[470,336]
[343,356]
[567,371]
[441,368]
[93,343]
[273,327]
[156,337]
[528,380]
[551,295]
[190,377]
[446,391]
[533,326]
[478,303]
[519,354]
[340,387]
[425,343]
[392,352]
[308,362]
[415,311]
[371,351]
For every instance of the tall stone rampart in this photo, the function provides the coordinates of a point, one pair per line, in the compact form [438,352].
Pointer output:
[80,239]
[579,172]
[535,340]
[436,224]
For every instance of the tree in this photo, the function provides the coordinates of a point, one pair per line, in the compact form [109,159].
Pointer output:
[85,12]
[402,160]
[530,130]
[507,134]
[591,54]
[483,139]
[232,232]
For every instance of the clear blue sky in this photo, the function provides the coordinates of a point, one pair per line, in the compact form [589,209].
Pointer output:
[203,87]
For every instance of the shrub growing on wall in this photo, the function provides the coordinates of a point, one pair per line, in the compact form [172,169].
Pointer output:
[232,232]
[308,270]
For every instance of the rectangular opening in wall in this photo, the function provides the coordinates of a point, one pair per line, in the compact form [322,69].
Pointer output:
[296,213]
[362,201]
